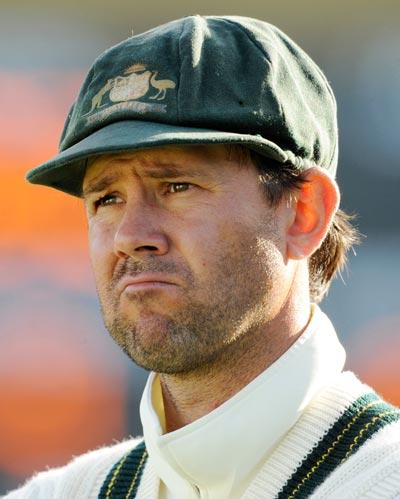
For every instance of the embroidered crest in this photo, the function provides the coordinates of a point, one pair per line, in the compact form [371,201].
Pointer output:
[135,83]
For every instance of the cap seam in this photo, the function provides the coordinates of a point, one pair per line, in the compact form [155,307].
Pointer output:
[253,40]
[260,48]
[332,96]
[178,111]
[299,159]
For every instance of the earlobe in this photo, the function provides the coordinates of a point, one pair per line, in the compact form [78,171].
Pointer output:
[316,203]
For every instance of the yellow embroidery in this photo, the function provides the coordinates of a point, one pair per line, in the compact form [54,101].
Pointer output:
[161,85]
[363,430]
[114,476]
[330,449]
[134,83]
[135,68]
[133,483]
[96,100]
[131,87]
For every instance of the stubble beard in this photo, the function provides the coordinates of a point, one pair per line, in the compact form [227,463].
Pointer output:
[203,331]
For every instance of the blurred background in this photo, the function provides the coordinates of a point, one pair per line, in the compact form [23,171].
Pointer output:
[65,387]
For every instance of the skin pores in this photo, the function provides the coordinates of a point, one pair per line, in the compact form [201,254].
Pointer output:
[198,227]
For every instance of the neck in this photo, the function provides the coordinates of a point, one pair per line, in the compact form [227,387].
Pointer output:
[189,396]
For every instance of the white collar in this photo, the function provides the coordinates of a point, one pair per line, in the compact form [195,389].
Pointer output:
[221,452]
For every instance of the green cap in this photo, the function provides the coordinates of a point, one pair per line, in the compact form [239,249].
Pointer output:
[199,80]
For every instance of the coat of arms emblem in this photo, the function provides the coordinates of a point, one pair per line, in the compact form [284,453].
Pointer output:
[135,83]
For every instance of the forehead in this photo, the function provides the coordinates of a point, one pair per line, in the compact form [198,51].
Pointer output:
[183,155]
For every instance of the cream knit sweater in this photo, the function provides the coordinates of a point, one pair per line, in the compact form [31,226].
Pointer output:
[373,471]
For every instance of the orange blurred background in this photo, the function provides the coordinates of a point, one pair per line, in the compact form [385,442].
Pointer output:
[56,399]
[65,387]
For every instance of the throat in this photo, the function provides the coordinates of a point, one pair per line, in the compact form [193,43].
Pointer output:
[187,397]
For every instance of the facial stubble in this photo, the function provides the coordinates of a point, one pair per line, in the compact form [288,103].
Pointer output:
[232,299]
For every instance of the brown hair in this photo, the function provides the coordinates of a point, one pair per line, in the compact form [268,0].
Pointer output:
[330,258]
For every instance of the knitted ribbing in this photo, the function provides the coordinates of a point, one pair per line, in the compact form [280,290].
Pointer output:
[374,472]
[364,417]
[314,423]
[84,476]
[357,424]
[124,477]
[79,479]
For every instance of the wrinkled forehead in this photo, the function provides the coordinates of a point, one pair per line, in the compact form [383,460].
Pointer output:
[190,157]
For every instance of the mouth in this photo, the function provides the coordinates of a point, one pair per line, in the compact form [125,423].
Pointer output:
[144,282]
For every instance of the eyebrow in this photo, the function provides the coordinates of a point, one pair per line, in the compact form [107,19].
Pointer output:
[99,184]
[166,171]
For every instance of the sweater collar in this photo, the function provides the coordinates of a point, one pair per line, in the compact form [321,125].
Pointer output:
[219,454]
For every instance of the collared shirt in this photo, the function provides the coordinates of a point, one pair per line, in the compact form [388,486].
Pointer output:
[218,455]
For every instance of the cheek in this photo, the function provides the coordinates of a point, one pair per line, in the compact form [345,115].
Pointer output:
[101,247]
[199,240]
[212,246]
[248,244]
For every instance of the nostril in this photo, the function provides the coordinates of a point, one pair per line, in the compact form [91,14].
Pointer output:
[131,240]
[147,248]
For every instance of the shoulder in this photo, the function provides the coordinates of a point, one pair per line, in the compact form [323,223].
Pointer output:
[368,437]
[373,471]
[81,477]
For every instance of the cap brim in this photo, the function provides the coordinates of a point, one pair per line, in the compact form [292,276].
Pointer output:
[66,171]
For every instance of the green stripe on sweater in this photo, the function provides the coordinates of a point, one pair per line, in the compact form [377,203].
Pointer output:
[358,423]
[122,482]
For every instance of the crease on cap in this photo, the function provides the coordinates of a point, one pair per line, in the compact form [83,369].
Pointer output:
[199,80]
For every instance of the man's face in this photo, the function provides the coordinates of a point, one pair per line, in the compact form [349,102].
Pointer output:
[187,255]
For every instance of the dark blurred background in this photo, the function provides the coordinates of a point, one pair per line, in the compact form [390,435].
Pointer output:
[64,386]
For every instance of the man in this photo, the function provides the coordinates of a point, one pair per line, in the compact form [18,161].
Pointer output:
[205,152]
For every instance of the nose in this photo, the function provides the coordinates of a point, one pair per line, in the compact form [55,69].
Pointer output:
[139,233]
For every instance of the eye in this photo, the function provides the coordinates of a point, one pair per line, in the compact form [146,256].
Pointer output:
[106,200]
[175,187]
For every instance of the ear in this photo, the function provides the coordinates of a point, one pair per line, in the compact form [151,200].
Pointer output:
[313,209]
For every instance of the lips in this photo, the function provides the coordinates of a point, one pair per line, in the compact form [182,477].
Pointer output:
[145,281]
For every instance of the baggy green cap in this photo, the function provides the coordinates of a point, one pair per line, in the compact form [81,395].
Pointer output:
[199,80]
